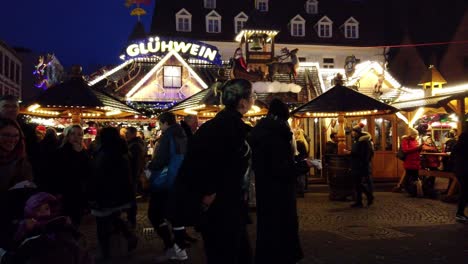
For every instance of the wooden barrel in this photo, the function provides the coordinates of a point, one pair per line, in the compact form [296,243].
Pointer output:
[339,177]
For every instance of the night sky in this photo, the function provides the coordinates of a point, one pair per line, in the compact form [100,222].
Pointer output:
[85,32]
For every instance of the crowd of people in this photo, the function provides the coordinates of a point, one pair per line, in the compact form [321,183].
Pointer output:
[417,155]
[55,181]
[198,176]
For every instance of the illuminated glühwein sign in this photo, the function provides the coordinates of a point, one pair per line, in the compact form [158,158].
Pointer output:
[160,45]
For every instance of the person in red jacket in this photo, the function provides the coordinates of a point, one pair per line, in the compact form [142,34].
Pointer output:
[412,163]
[431,162]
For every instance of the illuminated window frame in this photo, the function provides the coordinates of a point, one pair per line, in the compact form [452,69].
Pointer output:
[239,22]
[213,22]
[172,76]
[210,4]
[297,26]
[183,21]
[311,7]
[262,5]
[351,28]
[324,27]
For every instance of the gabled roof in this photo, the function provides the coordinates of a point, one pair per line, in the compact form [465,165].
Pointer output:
[161,63]
[343,99]
[368,13]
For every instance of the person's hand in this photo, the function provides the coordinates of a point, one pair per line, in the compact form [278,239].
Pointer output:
[209,199]
[346,151]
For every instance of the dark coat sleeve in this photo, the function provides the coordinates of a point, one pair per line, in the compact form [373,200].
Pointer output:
[162,156]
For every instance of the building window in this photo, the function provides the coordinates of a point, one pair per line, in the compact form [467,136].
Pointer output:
[262,5]
[324,27]
[12,70]
[17,74]
[172,76]
[183,21]
[328,63]
[213,22]
[311,7]
[351,28]
[297,26]
[210,4]
[239,21]
[1,63]
[6,66]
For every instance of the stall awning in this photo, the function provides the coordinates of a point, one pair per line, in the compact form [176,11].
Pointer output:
[341,99]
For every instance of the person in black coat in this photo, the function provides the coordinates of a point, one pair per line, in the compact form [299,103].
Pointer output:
[70,169]
[216,170]
[460,156]
[110,189]
[276,170]
[361,157]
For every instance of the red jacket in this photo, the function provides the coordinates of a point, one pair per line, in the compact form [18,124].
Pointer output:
[431,161]
[411,148]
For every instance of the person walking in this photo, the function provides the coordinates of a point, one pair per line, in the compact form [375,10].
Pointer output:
[216,173]
[276,171]
[361,157]
[70,167]
[136,148]
[412,163]
[110,189]
[173,142]
[460,156]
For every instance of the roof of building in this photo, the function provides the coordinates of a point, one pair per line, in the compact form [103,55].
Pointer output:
[343,99]
[279,16]
[432,75]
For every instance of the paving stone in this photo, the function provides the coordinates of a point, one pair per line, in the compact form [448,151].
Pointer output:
[395,229]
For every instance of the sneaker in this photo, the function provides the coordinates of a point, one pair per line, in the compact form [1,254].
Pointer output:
[461,218]
[176,253]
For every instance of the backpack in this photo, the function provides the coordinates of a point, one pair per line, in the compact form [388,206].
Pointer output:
[400,154]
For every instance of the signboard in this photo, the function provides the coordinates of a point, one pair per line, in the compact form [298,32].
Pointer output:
[160,46]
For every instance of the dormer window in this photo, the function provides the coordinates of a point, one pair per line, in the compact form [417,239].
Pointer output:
[239,21]
[262,5]
[210,4]
[213,22]
[324,27]
[351,28]
[311,7]
[183,21]
[298,26]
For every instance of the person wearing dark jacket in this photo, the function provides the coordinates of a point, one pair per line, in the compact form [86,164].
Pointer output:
[276,170]
[361,157]
[110,190]
[460,156]
[136,148]
[216,170]
[160,204]
[70,170]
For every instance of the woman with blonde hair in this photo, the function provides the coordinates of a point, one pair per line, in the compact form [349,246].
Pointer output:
[69,176]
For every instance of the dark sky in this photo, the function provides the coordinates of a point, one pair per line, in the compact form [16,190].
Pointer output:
[85,32]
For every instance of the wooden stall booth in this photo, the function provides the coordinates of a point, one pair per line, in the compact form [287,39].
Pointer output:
[349,107]
[76,100]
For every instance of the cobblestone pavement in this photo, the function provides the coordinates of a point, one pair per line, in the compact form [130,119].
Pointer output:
[396,229]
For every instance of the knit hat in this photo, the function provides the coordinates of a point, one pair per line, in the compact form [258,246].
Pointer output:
[358,127]
[35,201]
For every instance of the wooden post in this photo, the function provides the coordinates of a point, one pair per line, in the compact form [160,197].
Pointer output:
[341,134]
[461,114]
[76,117]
